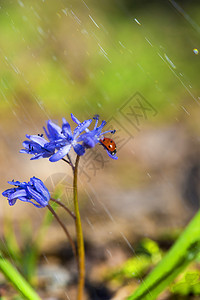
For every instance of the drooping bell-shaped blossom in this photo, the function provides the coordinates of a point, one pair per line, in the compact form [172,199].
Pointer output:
[34,192]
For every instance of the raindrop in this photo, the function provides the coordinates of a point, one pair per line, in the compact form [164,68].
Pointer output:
[185,110]
[108,251]
[148,41]
[40,30]
[137,21]
[75,17]
[21,3]
[122,44]
[94,21]
[85,4]
[170,62]
[196,51]
[65,11]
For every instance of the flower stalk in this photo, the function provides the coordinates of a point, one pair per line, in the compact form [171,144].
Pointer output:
[79,234]
[64,206]
[64,228]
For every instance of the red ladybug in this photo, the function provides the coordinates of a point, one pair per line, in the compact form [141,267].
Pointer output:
[109,144]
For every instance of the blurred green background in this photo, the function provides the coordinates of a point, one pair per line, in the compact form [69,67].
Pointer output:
[93,57]
[89,57]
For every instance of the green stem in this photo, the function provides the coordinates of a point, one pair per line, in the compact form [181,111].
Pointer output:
[64,228]
[17,280]
[79,234]
[65,207]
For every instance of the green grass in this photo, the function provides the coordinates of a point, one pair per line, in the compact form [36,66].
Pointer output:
[184,251]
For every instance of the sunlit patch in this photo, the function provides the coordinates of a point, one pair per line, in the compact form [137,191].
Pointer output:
[196,51]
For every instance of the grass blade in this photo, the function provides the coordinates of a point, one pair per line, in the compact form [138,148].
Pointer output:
[17,280]
[179,256]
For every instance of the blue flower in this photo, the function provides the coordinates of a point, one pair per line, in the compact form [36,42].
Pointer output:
[91,138]
[38,146]
[27,192]
[67,139]
[62,140]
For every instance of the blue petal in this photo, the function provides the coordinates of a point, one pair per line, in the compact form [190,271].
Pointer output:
[26,144]
[50,147]
[8,192]
[24,151]
[103,123]
[60,153]
[75,119]
[66,129]
[54,130]
[40,187]
[53,127]
[88,135]
[24,199]
[37,139]
[112,156]
[12,202]
[57,144]
[18,193]
[96,117]
[17,183]
[38,156]
[31,147]
[79,149]
[81,127]
[47,134]
[88,142]
[37,197]
[111,131]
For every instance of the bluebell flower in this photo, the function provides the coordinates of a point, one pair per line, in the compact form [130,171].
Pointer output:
[38,146]
[91,137]
[63,140]
[34,192]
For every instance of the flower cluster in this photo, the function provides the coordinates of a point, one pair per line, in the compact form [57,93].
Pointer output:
[59,143]
[34,189]
[61,140]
